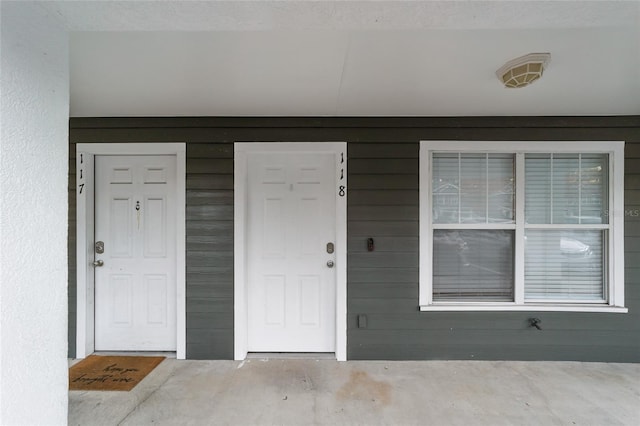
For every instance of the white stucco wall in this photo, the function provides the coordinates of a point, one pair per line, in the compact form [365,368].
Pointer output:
[33,216]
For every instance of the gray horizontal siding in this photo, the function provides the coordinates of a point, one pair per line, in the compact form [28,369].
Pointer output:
[383,285]
[382,204]
[209,260]
[492,351]
[632,248]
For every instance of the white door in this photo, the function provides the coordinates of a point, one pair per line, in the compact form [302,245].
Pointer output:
[291,227]
[135,288]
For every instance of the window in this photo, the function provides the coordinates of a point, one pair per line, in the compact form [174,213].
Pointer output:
[521,226]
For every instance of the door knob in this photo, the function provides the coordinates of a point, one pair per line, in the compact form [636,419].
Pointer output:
[330,264]
[97,263]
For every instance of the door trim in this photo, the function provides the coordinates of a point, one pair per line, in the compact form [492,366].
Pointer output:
[240,309]
[85,229]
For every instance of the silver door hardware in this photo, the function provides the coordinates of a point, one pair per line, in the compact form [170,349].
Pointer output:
[330,248]
[330,264]
[99,247]
[97,263]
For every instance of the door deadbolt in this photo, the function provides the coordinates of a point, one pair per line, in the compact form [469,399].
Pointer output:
[99,247]
[330,248]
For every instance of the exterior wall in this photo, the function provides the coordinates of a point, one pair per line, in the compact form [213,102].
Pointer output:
[33,217]
[210,251]
[382,204]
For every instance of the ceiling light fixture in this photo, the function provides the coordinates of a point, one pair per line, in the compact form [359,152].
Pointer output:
[522,71]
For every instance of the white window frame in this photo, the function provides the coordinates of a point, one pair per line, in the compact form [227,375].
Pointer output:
[615,259]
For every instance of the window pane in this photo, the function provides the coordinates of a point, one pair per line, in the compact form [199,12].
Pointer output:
[472,188]
[446,188]
[594,173]
[473,265]
[501,188]
[565,170]
[564,265]
[566,188]
[538,188]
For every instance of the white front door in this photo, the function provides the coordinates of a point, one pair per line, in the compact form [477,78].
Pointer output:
[291,226]
[135,288]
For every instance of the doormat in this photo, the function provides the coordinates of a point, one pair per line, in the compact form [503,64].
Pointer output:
[111,373]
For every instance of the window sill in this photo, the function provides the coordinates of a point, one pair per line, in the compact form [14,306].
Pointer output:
[531,307]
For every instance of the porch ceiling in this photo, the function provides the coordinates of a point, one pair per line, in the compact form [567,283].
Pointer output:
[344,58]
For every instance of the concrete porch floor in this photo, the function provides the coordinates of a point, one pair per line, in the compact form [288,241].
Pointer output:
[326,392]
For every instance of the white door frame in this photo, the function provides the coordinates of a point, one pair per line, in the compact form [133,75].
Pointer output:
[240,308]
[85,228]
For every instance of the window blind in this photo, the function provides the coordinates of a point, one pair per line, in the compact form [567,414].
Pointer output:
[472,188]
[557,246]
[564,265]
[474,265]
[565,189]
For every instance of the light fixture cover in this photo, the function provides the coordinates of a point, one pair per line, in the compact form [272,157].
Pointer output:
[522,71]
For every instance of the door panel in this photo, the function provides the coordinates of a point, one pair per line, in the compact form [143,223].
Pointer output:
[291,218]
[273,241]
[156,293]
[275,300]
[121,296]
[135,292]
[155,227]
[120,227]
[309,301]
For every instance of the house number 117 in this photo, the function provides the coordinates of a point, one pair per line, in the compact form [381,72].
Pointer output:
[81,185]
